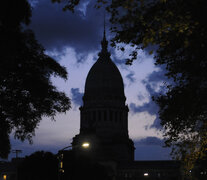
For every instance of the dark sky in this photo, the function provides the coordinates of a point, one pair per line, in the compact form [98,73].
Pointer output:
[56,29]
[73,39]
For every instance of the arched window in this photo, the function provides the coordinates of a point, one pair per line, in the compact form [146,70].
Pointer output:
[89,115]
[94,115]
[111,115]
[99,115]
[116,116]
[105,115]
[121,116]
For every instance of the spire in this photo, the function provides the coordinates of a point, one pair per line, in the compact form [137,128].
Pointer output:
[104,42]
[104,26]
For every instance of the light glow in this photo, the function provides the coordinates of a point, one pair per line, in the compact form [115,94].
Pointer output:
[146,174]
[4,177]
[85,145]
[61,164]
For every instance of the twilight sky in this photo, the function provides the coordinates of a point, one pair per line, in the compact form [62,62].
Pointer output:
[74,41]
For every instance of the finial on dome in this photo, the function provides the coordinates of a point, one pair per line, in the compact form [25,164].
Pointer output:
[104,42]
[104,26]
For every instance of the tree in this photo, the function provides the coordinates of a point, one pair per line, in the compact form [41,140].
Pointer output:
[39,165]
[26,91]
[82,165]
[177,31]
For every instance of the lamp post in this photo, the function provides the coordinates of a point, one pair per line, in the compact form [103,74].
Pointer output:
[60,156]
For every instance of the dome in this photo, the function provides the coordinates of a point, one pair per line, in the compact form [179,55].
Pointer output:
[104,80]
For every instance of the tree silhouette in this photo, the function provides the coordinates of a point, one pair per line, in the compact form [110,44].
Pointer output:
[26,91]
[39,165]
[82,166]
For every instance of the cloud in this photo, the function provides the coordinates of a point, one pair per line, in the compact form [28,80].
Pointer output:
[131,77]
[151,152]
[155,86]
[150,107]
[157,76]
[81,57]
[140,97]
[151,140]
[156,124]
[118,61]
[151,148]
[76,96]
[56,29]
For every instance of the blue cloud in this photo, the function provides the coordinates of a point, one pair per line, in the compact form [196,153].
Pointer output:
[152,152]
[151,148]
[149,107]
[56,29]
[157,76]
[140,97]
[155,86]
[76,96]
[156,124]
[131,77]
[150,140]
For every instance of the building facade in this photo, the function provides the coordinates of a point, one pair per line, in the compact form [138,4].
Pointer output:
[104,114]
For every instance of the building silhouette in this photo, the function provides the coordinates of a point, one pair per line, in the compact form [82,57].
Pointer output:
[104,114]
[104,124]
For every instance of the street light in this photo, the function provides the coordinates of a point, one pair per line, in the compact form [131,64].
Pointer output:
[84,145]
[4,177]
[146,174]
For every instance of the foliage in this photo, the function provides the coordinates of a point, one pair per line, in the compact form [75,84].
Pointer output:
[177,31]
[39,165]
[78,165]
[26,91]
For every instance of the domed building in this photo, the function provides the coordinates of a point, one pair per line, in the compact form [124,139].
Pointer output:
[104,125]
[104,114]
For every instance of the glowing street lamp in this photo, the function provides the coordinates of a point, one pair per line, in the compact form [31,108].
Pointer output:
[146,174]
[4,177]
[85,145]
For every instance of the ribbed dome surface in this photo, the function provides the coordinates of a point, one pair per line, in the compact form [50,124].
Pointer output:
[104,79]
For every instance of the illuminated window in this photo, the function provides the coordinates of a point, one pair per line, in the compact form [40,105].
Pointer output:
[4,177]
[61,170]
[61,164]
